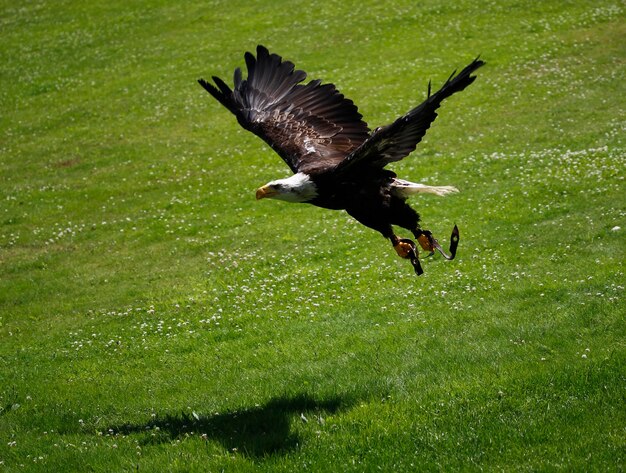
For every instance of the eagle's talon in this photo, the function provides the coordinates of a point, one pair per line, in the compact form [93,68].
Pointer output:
[405,248]
[428,242]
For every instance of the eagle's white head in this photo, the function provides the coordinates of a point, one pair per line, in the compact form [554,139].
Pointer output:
[297,188]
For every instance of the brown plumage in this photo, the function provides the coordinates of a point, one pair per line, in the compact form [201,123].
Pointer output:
[338,163]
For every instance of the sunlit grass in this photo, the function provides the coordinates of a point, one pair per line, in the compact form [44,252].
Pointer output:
[155,317]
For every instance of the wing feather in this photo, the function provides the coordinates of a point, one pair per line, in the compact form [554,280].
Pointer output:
[397,140]
[312,127]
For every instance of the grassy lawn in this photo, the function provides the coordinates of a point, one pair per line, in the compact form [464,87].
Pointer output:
[155,317]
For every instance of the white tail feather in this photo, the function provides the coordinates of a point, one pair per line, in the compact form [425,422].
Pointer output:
[405,189]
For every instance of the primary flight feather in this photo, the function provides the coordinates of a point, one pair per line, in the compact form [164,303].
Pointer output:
[337,161]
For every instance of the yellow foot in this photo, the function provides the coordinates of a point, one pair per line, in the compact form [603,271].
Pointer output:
[404,249]
[426,243]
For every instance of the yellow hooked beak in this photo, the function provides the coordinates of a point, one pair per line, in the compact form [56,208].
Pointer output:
[265,191]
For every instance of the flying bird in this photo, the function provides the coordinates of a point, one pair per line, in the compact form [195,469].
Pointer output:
[336,160]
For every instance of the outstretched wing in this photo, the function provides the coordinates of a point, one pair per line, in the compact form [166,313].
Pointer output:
[312,127]
[397,140]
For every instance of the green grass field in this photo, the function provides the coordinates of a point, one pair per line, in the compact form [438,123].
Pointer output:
[155,317]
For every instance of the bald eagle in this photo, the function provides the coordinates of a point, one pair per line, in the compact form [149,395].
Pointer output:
[337,162]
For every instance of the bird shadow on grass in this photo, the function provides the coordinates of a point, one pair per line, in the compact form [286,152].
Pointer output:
[257,432]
